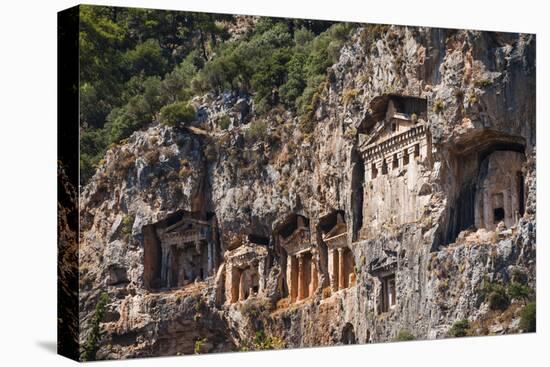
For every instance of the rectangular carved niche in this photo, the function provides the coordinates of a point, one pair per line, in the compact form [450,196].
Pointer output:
[388,293]
[179,249]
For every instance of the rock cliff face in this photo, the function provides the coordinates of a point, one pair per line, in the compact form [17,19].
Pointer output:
[422,142]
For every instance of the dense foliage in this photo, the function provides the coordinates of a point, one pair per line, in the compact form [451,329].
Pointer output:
[262,341]
[459,328]
[92,342]
[528,320]
[404,335]
[141,65]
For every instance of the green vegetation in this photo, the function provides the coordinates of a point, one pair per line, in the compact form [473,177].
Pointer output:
[177,112]
[127,224]
[257,131]
[256,308]
[520,291]
[483,83]
[92,343]
[404,335]
[459,329]
[499,295]
[199,343]
[224,122]
[438,106]
[496,295]
[528,321]
[262,341]
[372,33]
[141,65]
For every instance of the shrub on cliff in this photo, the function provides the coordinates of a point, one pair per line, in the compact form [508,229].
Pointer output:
[498,299]
[199,344]
[127,224]
[176,113]
[257,131]
[459,329]
[92,343]
[404,335]
[496,295]
[520,291]
[262,341]
[256,307]
[528,321]
[224,122]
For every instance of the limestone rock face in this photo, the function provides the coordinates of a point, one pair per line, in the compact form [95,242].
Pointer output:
[427,227]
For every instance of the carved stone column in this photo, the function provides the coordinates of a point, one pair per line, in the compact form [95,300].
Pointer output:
[378,166]
[334,269]
[400,159]
[410,150]
[301,277]
[314,279]
[342,270]
[241,287]
[291,274]
[389,162]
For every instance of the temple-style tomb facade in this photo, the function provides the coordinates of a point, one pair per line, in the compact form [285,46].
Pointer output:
[188,252]
[500,196]
[245,269]
[385,288]
[397,139]
[341,265]
[180,249]
[302,258]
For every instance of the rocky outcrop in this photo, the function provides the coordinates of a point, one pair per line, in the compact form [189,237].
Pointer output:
[479,88]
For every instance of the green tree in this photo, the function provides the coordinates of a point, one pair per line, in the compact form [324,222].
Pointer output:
[92,343]
[140,64]
[528,320]
[404,335]
[176,113]
[519,291]
[146,58]
[459,328]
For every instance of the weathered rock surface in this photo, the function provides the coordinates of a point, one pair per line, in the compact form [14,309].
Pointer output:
[480,89]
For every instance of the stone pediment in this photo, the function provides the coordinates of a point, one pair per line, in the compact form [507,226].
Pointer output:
[297,242]
[336,230]
[337,241]
[185,231]
[246,254]
[181,237]
[337,237]
[383,266]
[187,222]
[377,133]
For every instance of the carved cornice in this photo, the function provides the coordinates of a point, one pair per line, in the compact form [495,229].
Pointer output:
[383,269]
[189,236]
[245,256]
[337,241]
[298,241]
[380,149]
